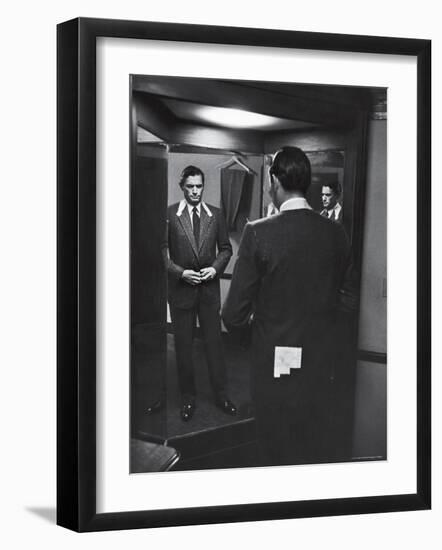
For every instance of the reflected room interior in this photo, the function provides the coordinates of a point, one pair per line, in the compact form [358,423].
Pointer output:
[230,130]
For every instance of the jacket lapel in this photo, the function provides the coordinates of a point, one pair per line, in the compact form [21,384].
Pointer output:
[206,222]
[187,227]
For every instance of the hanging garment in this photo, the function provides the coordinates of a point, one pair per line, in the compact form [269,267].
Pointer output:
[235,195]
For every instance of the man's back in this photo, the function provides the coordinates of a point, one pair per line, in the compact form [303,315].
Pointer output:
[288,282]
[288,273]
[301,258]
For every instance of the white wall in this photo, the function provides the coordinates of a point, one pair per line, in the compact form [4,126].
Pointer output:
[373,317]
[370,427]
[27,227]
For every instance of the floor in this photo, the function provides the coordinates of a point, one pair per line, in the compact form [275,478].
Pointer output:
[207,415]
[211,438]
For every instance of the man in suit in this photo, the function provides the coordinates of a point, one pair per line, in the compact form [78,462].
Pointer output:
[287,283]
[330,201]
[196,253]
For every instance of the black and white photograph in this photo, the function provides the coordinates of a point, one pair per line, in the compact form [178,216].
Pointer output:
[258,274]
[220,264]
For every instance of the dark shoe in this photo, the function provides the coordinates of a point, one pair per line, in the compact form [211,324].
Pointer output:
[226,406]
[187,411]
[155,407]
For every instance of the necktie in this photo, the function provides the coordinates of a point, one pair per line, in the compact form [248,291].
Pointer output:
[196,225]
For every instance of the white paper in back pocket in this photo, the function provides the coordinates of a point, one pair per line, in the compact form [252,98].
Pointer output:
[286,358]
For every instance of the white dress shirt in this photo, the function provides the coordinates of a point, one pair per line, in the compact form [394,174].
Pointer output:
[333,213]
[190,207]
[297,203]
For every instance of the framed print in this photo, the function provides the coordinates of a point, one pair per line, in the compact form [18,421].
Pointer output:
[243,267]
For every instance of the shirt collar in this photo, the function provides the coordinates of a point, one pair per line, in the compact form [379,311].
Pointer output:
[336,210]
[190,208]
[296,203]
[184,203]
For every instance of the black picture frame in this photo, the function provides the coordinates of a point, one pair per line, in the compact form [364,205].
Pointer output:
[76,274]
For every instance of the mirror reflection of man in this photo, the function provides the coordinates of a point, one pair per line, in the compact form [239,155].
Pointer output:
[332,208]
[196,253]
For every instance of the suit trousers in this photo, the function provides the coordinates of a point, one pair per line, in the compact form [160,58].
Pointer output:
[292,435]
[183,321]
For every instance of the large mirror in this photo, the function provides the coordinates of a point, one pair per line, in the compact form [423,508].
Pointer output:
[191,399]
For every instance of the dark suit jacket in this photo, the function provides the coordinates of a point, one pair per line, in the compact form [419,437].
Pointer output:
[180,252]
[289,274]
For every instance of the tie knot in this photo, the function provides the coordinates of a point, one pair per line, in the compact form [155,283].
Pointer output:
[195,210]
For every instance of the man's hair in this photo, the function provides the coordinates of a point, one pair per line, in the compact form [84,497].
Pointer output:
[335,186]
[190,171]
[292,168]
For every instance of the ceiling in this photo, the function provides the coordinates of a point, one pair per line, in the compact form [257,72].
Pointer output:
[247,113]
[285,106]
[225,118]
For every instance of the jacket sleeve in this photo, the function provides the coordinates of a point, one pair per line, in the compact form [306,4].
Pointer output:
[238,307]
[172,268]
[224,247]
